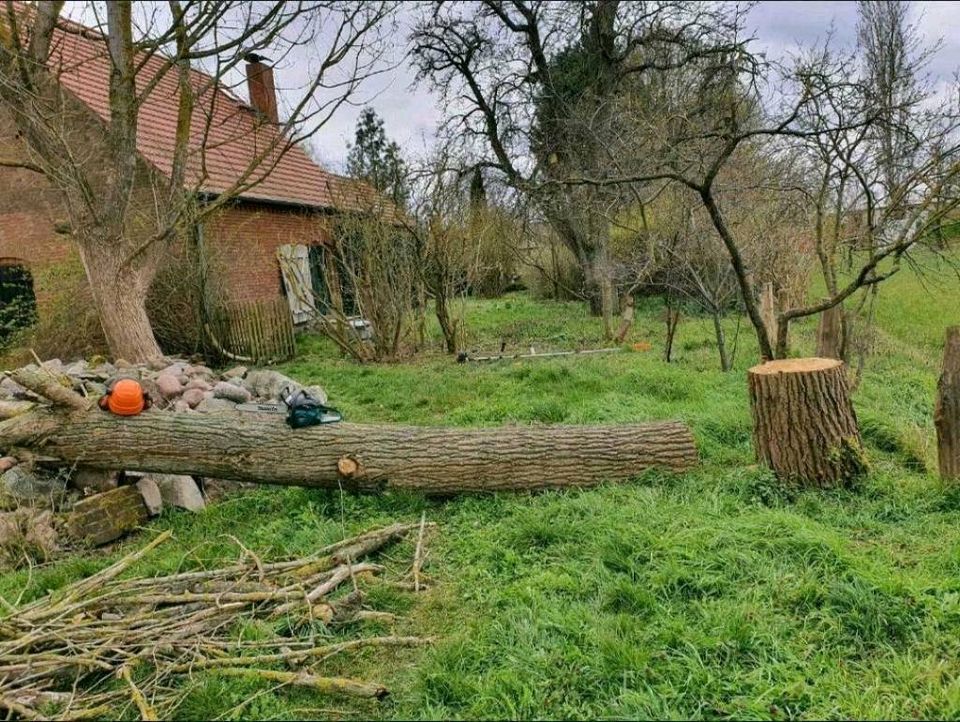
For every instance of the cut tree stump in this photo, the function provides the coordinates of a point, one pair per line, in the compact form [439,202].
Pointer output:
[804,425]
[946,416]
[262,448]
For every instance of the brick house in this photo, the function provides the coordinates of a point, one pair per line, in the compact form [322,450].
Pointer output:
[288,204]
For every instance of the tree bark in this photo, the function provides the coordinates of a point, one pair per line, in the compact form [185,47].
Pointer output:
[946,416]
[626,318]
[671,317]
[830,333]
[804,425]
[262,448]
[721,340]
[120,293]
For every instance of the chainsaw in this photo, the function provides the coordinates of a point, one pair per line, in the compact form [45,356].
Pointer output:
[300,408]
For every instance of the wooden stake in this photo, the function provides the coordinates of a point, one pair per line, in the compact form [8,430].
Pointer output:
[768,312]
[946,415]
[830,333]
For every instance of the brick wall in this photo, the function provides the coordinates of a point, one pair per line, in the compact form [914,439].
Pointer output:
[28,213]
[244,238]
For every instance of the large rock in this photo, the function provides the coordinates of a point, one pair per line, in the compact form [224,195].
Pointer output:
[230,392]
[26,485]
[168,385]
[152,497]
[237,372]
[179,491]
[159,363]
[211,404]
[269,385]
[94,479]
[12,389]
[174,369]
[193,397]
[201,384]
[77,369]
[317,392]
[200,371]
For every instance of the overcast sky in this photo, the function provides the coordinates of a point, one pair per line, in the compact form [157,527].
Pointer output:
[411,114]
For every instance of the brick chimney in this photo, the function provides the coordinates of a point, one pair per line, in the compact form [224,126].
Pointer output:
[263,96]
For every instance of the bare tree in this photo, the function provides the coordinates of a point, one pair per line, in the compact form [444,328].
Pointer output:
[123,214]
[894,58]
[531,86]
[818,98]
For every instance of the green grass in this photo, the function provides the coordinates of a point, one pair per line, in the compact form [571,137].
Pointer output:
[714,594]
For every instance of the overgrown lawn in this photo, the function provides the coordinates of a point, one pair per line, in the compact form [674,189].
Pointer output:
[713,594]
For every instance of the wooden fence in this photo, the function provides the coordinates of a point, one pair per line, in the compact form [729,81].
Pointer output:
[260,332]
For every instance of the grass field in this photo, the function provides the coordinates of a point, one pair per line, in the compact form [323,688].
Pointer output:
[715,594]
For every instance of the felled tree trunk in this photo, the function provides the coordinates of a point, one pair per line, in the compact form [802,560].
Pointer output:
[946,416]
[261,448]
[804,425]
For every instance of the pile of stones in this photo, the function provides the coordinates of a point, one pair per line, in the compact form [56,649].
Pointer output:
[174,386]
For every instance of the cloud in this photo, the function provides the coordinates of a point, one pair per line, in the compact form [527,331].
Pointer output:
[780,29]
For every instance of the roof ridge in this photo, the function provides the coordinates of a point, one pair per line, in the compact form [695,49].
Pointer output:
[229,146]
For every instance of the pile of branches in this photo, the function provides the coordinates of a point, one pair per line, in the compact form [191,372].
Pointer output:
[103,646]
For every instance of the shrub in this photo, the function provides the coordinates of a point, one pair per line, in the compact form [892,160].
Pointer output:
[549,270]
[184,289]
[68,325]
[495,235]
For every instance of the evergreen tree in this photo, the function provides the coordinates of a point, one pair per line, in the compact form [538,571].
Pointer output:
[376,159]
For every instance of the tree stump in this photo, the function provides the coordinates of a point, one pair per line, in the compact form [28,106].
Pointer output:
[804,426]
[830,333]
[946,416]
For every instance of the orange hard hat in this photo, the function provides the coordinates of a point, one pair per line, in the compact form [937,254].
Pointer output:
[126,398]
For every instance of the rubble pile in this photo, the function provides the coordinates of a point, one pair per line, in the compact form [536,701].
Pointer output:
[173,386]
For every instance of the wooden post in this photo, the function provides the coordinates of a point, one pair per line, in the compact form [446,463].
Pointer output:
[804,426]
[830,333]
[768,312]
[946,416]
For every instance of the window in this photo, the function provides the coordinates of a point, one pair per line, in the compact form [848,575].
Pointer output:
[18,305]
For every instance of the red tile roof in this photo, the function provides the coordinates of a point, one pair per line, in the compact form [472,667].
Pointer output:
[231,133]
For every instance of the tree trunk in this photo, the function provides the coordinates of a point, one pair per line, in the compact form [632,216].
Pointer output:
[946,416]
[262,448]
[626,318]
[721,341]
[830,333]
[804,426]
[120,293]
[671,317]
[592,284]
[448,326]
